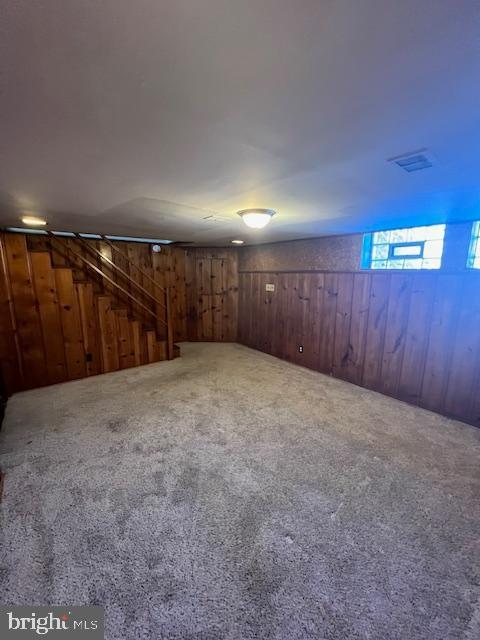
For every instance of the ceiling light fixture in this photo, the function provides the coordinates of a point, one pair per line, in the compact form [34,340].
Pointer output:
[238,241]
[256,218]
[34,221]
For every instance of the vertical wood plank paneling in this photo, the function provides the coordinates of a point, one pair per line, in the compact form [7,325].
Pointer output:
[160,350]
[255,293]
[64,250]
[442,331]
[211,293]
[161,264]
[191,296]
[134,255]
[231,285]
[252,301]
[267,312]
[203,273]
[315,319]
[327,329]
[270,312]
[341,345]
[143,348]
[26,312]
[377,317]
[395,331]
[107,288]
[119,258]
[280,337]
[358,328]
[179,300]
[88,320]
[465,361]
[151,346]
[242,302]
[304,297]
[305,302]
[217,267]
[108,335]
[49,312]
[136,342]
[398,333]
[10,353]
[124,345]
[416,339]
[292,302]
[408,335]
[248,299]
[71,327]
[62,315]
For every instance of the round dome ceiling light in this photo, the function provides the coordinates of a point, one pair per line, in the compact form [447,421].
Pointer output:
[238,241]
[256,218]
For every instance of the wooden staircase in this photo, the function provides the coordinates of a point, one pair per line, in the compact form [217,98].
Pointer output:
[65,330]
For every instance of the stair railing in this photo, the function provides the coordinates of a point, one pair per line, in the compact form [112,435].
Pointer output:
[96,269]
[164,290]
[131,263]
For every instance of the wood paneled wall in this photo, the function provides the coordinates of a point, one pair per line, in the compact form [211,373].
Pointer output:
[212,294]
[167,268]
[60,321]
[413,336]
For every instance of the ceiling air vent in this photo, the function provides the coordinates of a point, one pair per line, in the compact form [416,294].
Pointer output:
[414,161]
[216,218]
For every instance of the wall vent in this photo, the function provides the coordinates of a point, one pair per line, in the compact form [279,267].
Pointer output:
[413,161]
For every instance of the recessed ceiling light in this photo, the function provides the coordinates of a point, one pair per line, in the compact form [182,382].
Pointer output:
[256,218]
[238,241]
[34,221]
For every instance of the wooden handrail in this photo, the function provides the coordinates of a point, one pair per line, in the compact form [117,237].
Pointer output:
[130,262]
[117,268]
[166,306]
[155,283]
[112,282]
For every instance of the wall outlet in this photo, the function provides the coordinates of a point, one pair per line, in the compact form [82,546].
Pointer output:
[300,348]
[269,287]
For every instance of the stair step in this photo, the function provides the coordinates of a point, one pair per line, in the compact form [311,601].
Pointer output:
[75,324]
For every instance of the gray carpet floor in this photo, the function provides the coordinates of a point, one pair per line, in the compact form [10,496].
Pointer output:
[230,495]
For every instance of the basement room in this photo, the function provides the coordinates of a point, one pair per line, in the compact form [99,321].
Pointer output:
[240,319]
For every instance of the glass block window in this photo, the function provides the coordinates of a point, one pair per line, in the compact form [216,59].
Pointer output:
[474,251]
[411,248]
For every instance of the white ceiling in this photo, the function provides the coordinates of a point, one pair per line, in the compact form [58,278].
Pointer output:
[144,117]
